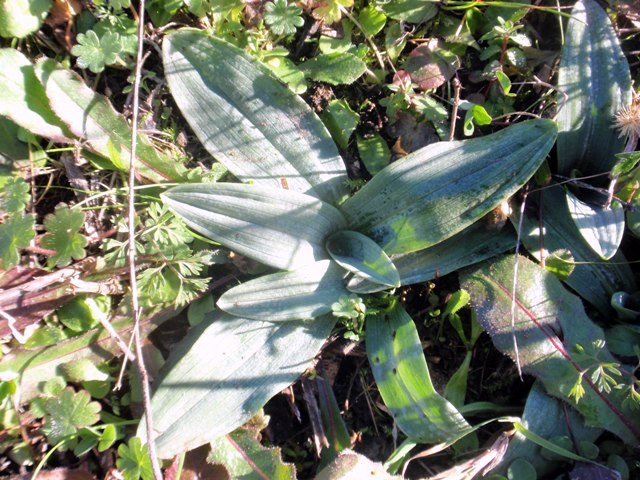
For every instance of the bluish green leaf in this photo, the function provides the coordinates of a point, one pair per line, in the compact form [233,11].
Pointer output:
[437,191]
[304,293]
[602,228]
[248,120]
[278,227]
[413,11]
[594,74]
[402,376]
[341,121]
[359,254]
[223,372]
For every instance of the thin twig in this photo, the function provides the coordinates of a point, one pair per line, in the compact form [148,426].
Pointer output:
[456,104]
[135,307]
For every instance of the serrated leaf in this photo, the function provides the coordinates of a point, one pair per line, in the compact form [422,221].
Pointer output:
[275,135]
[68,413]
[239,365]
[602,228]
[400,369]
[591,278]
[595,74]
[334,68]
[437,191]
[341,121]
[133,460]
[359,254]
[91,117]
[299,294]
[95,52]
[19,18]
[281,228]
[283,19]
[63,236]
[15,195]
[16,232]
[549,323]
[23,99]
[244,457]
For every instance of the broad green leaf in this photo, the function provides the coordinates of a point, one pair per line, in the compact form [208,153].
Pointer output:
[359,254]
[248,120]
[541,413]
[623,339]
[456,388]
[19,18]
[601,228]
[435,192]
[304,293]
[23,99]
[594,73]
[244,457]
[372,20]
[288,72]
[281,228]
[133,460]
[413,11]
[402,376]
[350,465]
[374,152]
[223,372]
[549,324]
[161,11]
[63,236]
[334,68]
[329,10]
[334,427]
[12,150]
[626,305]
[341,121]
[16,232]
[67,413]
[592,278]
[91,117]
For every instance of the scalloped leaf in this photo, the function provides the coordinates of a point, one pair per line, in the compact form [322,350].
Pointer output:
[305,293]
[248,120]
[437,191]
[280,228]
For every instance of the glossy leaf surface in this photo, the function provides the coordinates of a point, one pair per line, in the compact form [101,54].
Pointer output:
[359,254]
[435,192]
[402,376]
[602,228]
[594,74]
[280,228]
[304,293]
[549,324]
[248,120]
[223,372]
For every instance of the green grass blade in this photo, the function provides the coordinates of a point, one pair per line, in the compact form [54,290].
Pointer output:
[402,376]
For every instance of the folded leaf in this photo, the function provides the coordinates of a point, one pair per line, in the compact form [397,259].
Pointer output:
[402,376]
[359,254]
[91,117]
[304,293]
[602,228]
[223,372]
[592,278]
[437,191]
[549,324]
[248,120]
[23,100]
[280,228]
[594,74]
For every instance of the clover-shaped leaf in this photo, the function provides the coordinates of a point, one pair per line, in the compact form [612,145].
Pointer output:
[282,18]
[15,195]
[329,10]
[350,306]
[95,52]
[133,461]
[67,413]
[17,232]
[62,236]
[118,5]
